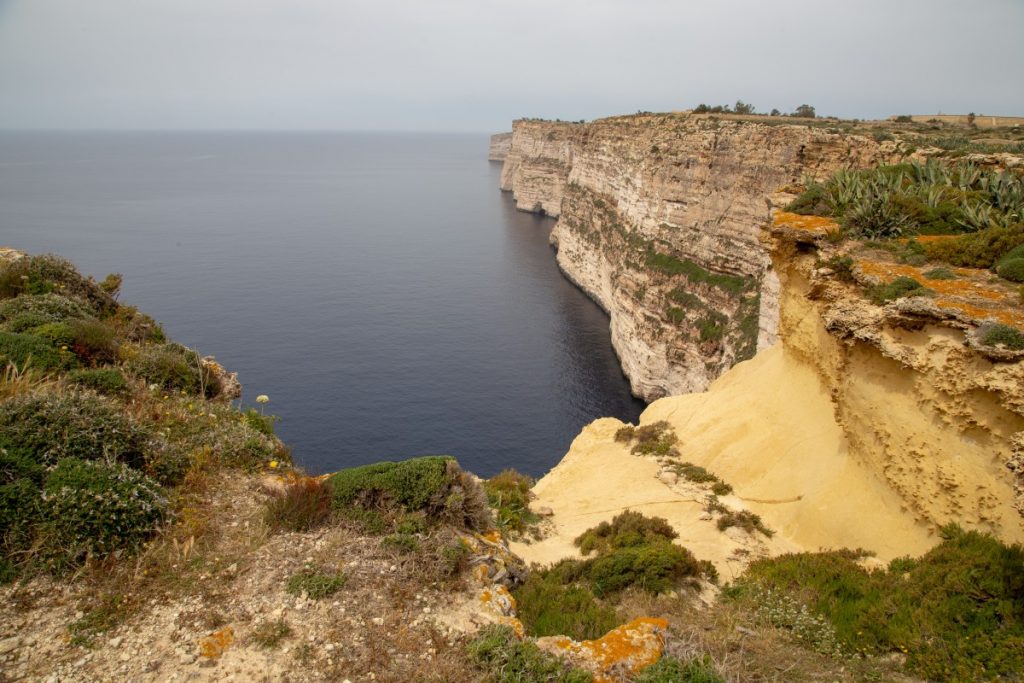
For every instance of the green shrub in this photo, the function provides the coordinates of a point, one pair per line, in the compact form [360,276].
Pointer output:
[403,543]
[842,266]
[28,311]
[744,519]
[813,201]
[711,328]
[108,381]
[56,334]
[897,289]
[433,484]
[316,584]
[632,550]
[957,612]
[657,439]
[672,670]
[508,494]
[997,334]
[506,659]
[977,250]
[174,367]
[626,529]
[47,273]
[1012,270]
[95,508]
[26,350]
[264,424]
[269,634]
[94,342]
[548,607]
[72,425]
[19,513]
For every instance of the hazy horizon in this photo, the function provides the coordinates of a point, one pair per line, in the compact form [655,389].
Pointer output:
[474,66]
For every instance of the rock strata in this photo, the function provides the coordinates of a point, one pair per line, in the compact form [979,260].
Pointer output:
[500,142]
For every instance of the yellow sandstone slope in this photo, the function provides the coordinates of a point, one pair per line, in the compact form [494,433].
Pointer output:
[866,427]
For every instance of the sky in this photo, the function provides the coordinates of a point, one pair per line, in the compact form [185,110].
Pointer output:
[475,65]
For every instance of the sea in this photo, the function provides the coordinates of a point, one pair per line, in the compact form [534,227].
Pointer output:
[377,287]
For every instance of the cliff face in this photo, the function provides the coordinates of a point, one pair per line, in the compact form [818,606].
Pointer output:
[500,143]
[867,426]
[658,222]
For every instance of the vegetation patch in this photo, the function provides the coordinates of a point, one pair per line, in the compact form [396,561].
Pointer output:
[434,485]
[508,494]
[46,274]
[981,249]
[72,425]
[94,508]
[902,286]
[269,634]
[673,670]
[505,659]
[699,475]
[548,607]
[300,504]
[28,350]
[316,584]
[914,198]
[670,265]
[1003,335]
[173,367]
[108,381]
[657,438]
[957,613]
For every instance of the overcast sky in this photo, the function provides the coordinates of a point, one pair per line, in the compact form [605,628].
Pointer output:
[474,65]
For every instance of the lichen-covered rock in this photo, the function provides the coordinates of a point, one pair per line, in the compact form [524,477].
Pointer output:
[217,643]
[618,655]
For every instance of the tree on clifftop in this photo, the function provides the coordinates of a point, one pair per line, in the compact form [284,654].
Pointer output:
[805,110]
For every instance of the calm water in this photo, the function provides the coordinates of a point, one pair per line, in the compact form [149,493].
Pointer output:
[379,288]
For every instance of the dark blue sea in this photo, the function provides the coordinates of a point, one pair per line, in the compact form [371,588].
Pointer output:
[379,288]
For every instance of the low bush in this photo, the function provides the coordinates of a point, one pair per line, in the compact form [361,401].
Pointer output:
[94,342]
[497,651]
[981,249]
[47,273]
[508,494]
[27,350]
[548,607]
[316,584]
[1004,335]
[744,519]
[108,381]
[269,634]
[301,504]
[264,424]
[901,287]
[957,613]
[630,551]
[672,670]
[1012,270]
[174,367]
[19,514]
[31,310]
[95,508]
[434,484]
[626,529]
[842,266]
[656,438]
[72,425]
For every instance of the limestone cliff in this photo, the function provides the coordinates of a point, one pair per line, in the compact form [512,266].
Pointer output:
[500,143]
[658,222]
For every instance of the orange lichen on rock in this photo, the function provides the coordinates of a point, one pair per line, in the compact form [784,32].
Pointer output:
[967,285]
[795,221]
[619,654]
[215,644]
[1006,316]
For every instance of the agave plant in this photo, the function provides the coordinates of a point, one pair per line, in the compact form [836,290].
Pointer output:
[976,216]
[876,216]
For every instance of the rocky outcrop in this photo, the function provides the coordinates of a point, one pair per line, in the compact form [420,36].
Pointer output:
[500,143]
[868,426]
[658,221]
